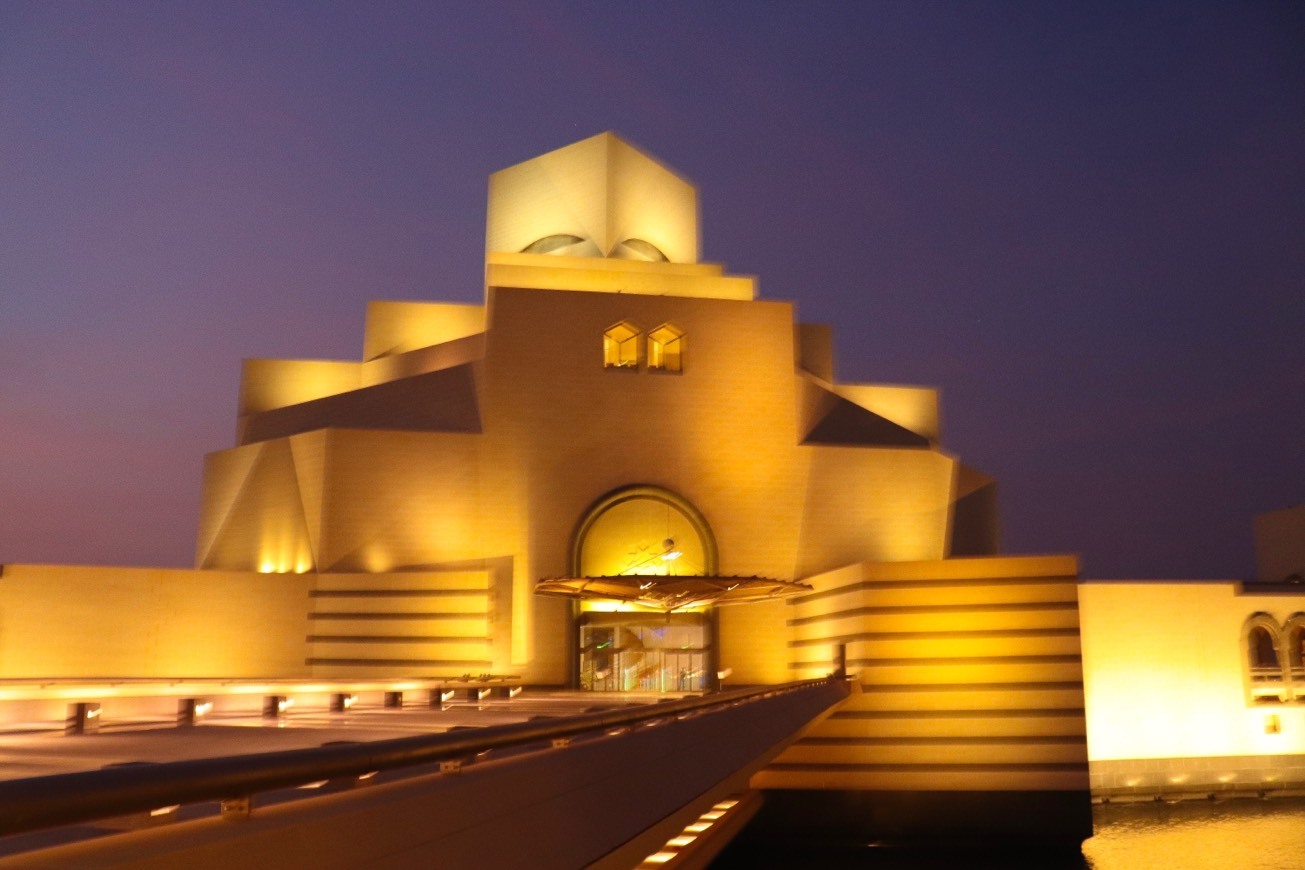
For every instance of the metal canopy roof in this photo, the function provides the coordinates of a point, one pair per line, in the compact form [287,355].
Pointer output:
[671,592]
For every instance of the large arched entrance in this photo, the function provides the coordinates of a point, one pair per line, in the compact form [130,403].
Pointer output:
[623,646]
[645,577]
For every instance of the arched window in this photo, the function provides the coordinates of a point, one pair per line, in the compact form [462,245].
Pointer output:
[555,244]
[639,249]
[666,348]
[1294,634]
[621,346]
[1264,655]
[1262,647]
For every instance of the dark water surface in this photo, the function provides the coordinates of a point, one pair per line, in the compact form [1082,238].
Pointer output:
[1236,834]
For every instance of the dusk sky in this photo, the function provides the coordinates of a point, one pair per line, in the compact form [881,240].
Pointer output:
[1084,223]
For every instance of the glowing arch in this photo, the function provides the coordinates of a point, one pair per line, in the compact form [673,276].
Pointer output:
[623,532]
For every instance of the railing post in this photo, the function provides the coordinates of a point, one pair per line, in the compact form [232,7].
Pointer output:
[236,808]
[83,718]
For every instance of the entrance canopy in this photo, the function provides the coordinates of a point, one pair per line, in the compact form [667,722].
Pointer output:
[671,592]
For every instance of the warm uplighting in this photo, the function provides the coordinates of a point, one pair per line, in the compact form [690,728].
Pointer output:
[670,850]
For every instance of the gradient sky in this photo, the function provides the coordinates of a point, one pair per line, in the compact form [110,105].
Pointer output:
[1084,223]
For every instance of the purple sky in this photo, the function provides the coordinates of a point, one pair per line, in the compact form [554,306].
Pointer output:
[1086,225]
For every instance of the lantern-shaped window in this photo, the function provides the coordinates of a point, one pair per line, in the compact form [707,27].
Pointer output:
[621,346]
[666,348]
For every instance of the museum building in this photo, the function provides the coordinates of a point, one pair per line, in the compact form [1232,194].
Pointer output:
[625,471]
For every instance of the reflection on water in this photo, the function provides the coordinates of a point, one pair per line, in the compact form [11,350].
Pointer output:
[1237,834]
[1244,834]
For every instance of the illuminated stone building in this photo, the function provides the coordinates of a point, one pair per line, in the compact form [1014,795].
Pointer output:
[621,471]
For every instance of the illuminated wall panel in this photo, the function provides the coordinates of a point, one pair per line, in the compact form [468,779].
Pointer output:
[581,275]
[1166,672]
[274,383]
[599,190]
[882,504]
[80,621]
[252,515]
[969,672]
[915,408]
[418,624]
[394,328]
[750,646]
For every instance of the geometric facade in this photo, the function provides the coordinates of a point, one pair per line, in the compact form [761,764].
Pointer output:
[620,417]
[624,471]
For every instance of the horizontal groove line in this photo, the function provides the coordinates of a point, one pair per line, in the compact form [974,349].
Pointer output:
[1030,767]
[971,687]
[415,617]
[972,660]
[1040,712]
[1007,660]
[391,638]
[388,663]
[1066,740]
[966,583]
[940,609]
[972,634]
[396,593]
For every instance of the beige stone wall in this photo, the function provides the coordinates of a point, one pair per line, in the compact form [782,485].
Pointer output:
[1165,671]
[967,671]
[557,430]
[275,383]
[399,327]
[751,643]
[874,503]
[79,621]
[600,190]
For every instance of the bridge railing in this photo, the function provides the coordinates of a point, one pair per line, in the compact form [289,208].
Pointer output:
[75,798]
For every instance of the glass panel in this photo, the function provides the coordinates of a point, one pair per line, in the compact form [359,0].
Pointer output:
[643,655]
[621,346]
[666,348]
[1264,658]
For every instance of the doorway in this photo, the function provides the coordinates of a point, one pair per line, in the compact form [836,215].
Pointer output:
[644,652]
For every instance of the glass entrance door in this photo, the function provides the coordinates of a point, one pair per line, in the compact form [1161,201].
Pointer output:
[643,652]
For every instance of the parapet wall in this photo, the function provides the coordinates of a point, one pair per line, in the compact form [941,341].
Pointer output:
[61,621]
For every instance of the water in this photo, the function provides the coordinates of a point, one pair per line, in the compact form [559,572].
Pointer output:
[1236,834]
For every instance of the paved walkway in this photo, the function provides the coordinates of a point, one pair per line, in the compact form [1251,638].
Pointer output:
[46,752]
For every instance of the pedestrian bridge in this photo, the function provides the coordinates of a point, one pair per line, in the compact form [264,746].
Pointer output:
[664,784]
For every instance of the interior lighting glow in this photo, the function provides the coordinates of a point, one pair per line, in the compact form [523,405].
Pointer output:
[713,815]
[697,827]
[725,805]
[680,841]
[164,811]
[659,857]
[202,708]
